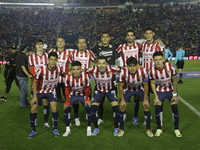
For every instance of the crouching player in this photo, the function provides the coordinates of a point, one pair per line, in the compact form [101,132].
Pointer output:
[77,88]
[44,85]
[164,85]
[131,81]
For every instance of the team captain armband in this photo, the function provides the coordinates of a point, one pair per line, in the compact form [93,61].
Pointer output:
[145,79]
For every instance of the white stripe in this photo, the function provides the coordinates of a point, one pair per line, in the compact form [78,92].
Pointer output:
[189,106]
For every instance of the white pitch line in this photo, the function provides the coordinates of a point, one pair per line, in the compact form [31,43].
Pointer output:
[189,106]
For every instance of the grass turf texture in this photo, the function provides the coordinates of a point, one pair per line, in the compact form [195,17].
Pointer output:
[15,125]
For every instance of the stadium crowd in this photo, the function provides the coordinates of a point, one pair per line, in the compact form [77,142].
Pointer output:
[173,24]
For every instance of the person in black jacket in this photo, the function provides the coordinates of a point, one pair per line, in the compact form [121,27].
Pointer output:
[22,74]
[10,72]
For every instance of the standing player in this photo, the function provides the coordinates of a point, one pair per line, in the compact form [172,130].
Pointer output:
[127,50]
[44,85]
[10,72]
[104,75]
[148,48]
[106,49]
[85,57]
[131,81]
[77,88]
[168,54]
[63,61]
[179,62]
[164,85]
[37,60]
[82,54]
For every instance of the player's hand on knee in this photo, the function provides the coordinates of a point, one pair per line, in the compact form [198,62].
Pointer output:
[174,99]
[123,105]
[34,100]
[146,104]
[156,101]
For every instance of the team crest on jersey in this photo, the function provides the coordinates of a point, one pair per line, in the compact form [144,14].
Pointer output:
[154,46]
[161,75]
[169,72]
[140,76]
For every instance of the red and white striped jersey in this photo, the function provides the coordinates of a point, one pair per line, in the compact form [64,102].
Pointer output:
[84,57]
[38,61]
[104,81]
[77,85]
[133,82]
[63,59]
[147,53]
[47,79]
[128,51]
[163,78]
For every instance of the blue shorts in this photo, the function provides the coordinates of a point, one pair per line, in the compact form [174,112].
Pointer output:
[74,98]
[162,95]
[51,97]
[99,96]
[129,94]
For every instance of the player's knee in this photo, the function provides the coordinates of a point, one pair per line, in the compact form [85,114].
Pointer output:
[67,110]
[45,102]
[54,109]
[115,103]
[146,107]
[34,109]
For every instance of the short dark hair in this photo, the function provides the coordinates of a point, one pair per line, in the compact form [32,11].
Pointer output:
[159,53]
[130,30]
[76,63]
[104,33]
[54,54]
[102,57]
[148,28]
[22,47]
[131,60]
[80,39]
[39,41]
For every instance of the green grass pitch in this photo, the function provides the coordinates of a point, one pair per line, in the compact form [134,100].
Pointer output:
[15,126]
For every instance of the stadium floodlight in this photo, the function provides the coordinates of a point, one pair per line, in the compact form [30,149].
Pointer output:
[26,4]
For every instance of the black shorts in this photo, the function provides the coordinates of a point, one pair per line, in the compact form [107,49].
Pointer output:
[180,64]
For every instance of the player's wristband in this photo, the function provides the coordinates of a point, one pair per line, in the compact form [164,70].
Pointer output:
[175,94]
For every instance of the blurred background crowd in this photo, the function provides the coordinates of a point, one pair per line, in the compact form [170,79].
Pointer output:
[174,25]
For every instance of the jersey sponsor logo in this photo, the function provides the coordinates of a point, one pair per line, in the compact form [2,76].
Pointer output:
[50,82]
[148,55]
[163,81]
[106,53]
